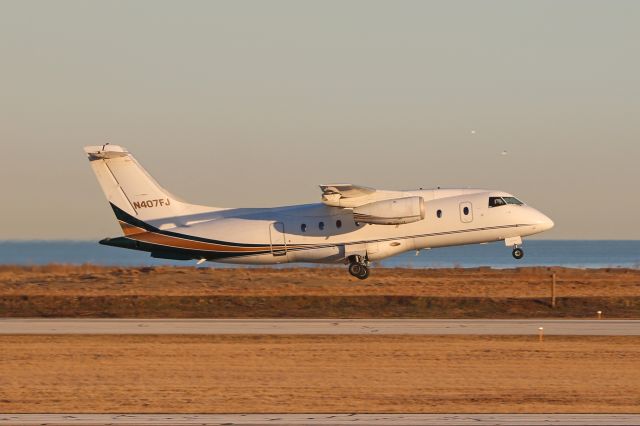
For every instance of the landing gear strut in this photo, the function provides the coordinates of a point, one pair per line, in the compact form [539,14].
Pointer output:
[358,267]
[517,253]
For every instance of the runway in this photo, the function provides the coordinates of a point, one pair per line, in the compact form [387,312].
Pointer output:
[322,419]
[321,326]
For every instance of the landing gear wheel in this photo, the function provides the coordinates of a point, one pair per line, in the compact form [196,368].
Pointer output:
[364,272]
[359,270]
[355,269]
[517,253]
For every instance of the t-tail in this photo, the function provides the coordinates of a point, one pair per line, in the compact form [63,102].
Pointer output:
[136,198]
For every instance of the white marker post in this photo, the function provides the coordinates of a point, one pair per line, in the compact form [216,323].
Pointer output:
[599,314]
[540,334]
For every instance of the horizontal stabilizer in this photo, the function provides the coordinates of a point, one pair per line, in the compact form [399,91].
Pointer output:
[101,152]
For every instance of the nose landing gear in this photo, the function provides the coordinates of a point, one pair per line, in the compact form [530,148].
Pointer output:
[517,253]
[358,268]
[515,242]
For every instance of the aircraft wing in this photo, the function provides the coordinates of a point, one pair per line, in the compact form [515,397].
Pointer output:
[345,194]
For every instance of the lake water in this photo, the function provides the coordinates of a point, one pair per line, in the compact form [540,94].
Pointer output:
[581,254]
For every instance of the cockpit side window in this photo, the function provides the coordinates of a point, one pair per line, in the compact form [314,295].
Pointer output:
[496,202]
[513,200]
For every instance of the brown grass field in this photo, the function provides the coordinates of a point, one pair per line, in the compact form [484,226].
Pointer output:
[391,374]
[317,373]
[93,291]
[89,280]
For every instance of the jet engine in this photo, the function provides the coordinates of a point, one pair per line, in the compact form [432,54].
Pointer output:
[391,212]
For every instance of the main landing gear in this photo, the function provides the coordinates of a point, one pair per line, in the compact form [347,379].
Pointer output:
[358,267]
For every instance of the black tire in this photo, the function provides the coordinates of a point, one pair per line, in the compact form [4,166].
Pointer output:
[364,272]
[355,269]
[517,253]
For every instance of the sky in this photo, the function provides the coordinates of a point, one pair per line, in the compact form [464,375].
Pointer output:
[240,103]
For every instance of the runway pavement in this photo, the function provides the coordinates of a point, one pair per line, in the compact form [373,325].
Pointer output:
[322,419]
[320,326]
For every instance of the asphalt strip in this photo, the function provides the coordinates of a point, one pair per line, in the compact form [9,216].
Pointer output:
[321,326]
[321,419]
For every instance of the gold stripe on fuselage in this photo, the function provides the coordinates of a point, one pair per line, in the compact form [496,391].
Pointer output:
[130,230]
[182,243]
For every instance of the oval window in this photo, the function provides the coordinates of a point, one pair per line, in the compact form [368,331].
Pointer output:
[439,214]
[321,225]
[466,211]
[303,227]
[338,223]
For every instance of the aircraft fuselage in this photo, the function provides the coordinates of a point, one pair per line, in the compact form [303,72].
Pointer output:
[325,234]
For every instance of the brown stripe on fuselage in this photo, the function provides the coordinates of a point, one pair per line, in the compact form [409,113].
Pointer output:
[166,240]
[130,229]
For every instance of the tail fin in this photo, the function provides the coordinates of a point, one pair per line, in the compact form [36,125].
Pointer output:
[131,189]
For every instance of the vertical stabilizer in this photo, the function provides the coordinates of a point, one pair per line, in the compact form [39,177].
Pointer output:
[129,187]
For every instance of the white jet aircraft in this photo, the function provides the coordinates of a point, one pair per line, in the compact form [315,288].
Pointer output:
[353,225]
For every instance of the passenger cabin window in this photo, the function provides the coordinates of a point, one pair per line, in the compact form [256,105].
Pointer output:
[439,214]
[303,227]
[321,225]
[338,224]
[466,211]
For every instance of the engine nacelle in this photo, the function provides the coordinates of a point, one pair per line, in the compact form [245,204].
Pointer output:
[391,212]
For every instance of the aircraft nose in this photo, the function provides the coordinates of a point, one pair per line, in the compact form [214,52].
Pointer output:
[544,222]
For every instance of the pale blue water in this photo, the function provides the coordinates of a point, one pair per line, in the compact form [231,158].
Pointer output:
[581,254]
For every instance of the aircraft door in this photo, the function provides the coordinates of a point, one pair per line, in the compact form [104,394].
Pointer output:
[278,239]
[466,212]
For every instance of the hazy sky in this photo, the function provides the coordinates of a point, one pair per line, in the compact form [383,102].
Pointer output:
[256,103]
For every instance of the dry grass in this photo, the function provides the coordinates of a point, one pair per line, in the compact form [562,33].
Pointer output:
[94,291]
[318,374]
[90,280]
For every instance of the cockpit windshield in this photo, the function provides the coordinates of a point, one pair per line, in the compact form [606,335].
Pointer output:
[513,200]
[496,202]
[503,201]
